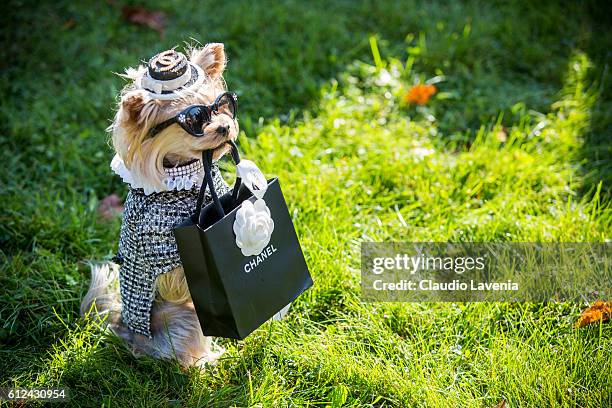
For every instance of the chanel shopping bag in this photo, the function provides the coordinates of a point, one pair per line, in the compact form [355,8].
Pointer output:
[240,253]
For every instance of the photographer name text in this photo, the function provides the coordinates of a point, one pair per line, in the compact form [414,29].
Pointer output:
[452,286]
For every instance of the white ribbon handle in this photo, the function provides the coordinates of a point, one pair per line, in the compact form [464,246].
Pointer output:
[252,178]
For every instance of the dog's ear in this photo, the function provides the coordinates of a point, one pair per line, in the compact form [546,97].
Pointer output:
[139,108]
[211,58]
[137,112]
[132,104]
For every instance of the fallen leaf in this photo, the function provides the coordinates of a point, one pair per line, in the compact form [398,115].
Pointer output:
[600,311]
[110,207]
[71,22]
[419,94]
[501,404]
[140,16]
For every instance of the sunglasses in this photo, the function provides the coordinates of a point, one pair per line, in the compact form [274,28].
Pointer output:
[193,118]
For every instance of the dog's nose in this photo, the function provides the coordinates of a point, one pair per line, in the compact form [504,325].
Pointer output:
[223,130]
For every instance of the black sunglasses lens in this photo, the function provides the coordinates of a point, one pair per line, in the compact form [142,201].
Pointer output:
[227,105]
[194,119]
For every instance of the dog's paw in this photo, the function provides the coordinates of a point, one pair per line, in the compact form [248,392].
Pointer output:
[210,359]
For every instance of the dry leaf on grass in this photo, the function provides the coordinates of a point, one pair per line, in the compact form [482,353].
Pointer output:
[68,24]
[110,207]
[600,311]
[141,16]
[501,404]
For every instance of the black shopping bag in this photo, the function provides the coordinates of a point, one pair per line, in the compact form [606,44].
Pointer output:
[234,293]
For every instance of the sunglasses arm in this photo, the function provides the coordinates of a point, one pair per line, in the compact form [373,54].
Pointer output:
[161,126]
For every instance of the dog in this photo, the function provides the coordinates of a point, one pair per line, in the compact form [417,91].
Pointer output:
[173,108]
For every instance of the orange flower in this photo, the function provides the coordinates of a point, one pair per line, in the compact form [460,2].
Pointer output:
[419,94]
[600,311]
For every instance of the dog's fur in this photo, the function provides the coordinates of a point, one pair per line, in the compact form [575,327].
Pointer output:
[174,325]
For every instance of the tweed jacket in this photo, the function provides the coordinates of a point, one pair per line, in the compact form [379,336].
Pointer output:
[147,247]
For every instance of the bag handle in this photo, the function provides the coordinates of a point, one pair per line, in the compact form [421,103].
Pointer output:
[207,156]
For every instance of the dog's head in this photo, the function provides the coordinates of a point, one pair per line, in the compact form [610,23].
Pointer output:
[158,91]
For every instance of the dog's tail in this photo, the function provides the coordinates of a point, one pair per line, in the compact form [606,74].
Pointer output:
[102,300]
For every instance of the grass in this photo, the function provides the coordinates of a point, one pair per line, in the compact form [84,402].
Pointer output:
[514,147]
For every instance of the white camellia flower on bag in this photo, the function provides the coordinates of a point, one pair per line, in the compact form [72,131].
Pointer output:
[253,227]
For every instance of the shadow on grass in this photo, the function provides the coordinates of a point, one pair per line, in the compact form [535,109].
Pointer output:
[596,151]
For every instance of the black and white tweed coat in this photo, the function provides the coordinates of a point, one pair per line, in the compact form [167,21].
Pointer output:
[147,247]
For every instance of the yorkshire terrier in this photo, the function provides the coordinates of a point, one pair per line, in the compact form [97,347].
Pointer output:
[173,108]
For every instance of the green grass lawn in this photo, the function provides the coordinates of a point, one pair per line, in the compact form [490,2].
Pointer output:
[515,146]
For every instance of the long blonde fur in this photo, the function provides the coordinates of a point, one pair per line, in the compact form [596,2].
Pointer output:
[172,287]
